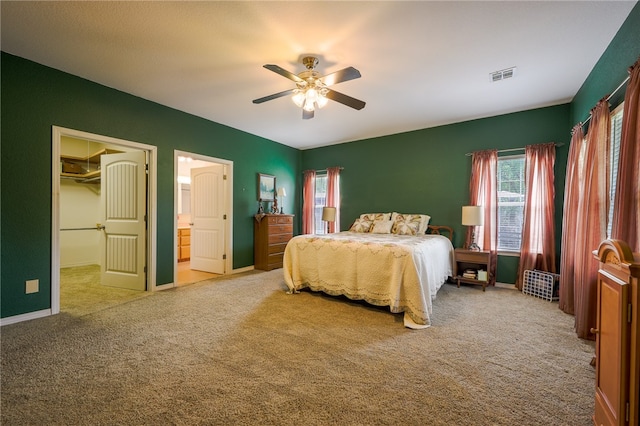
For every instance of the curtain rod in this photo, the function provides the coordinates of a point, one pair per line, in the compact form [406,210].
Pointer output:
[468,154]
[323,170]
[607,99]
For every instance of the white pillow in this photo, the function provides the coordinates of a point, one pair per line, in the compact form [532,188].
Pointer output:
[382,227]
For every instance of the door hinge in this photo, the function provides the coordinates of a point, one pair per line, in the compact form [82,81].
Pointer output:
[224,257]
[629,308]
[627,411]
[224,217]
[224,177]
[145,269]
[146,167]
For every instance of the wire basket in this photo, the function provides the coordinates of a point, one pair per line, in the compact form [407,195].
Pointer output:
[541,284]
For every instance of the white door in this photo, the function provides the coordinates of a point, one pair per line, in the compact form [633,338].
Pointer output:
[123,211]
[207,219]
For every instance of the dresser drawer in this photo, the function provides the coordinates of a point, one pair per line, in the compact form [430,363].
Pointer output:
[281,229]
[275,219]
[279,238]
[277,248]
[275,260]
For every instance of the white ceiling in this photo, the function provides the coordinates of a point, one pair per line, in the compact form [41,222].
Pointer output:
[423,64]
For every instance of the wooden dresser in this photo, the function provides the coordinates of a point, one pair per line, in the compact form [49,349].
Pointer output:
[184,244]
[617,335]
[271,234]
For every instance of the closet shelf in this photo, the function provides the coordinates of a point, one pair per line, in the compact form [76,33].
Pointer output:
[83,169]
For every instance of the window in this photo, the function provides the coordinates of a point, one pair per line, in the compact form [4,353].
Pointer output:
[511,195]
[616,134]
[320,227]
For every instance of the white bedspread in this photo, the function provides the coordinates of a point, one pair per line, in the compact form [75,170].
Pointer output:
[402,272]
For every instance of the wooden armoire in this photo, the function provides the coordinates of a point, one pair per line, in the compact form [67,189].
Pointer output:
[617,336]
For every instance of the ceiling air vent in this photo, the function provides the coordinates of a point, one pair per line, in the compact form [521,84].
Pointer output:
[502,74]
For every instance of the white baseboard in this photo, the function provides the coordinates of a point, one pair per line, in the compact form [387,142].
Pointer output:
[163,287]
[25,317]
[245,269]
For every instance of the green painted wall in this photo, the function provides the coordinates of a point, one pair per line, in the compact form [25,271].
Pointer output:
[427,171]
[35,97]
[610,70]
[422,171]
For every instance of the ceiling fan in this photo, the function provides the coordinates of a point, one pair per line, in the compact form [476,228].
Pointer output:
[312,90]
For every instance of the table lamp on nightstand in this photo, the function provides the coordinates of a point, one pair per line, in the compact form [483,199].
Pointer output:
[473,216]
[328,215]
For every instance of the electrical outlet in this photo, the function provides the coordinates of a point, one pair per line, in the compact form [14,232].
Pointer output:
[32,286]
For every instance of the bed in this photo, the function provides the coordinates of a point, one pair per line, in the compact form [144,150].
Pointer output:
[401,268]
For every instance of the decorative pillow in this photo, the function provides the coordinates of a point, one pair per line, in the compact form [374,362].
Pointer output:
[382,227]
[375,216]
[361,225]
[424,223]
[424,220]
[406,224]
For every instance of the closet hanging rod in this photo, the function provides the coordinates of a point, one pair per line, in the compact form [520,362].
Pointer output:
[95,228]
[468,154]
[607,99]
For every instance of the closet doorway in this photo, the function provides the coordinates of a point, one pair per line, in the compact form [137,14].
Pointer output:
[103,217]
[203,212]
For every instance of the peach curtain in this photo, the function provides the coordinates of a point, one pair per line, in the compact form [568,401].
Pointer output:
[308,201]
[570,221]
[591,226]
[626,213]
[538,247]
[333,195]
[483,192]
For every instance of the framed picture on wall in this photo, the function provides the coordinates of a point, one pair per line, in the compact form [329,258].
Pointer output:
[266,187]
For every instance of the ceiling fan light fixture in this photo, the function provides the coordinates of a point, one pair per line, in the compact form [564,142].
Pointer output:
[312,90]
[309,98]
[298,97]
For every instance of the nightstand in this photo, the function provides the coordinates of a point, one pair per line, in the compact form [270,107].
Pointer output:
[472,260]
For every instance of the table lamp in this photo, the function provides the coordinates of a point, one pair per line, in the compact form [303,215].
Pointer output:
[281,193]
[328,215]
[473,216]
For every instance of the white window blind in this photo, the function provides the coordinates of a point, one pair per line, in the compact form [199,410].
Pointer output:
[320,201]
[616,135]
[511,195]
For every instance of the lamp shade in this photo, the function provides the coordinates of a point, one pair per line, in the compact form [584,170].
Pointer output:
[282,192]
[329,214]
[472,215]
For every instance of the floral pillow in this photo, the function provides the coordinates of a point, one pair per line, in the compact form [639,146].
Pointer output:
[406,224]
[375,216]
[361,225]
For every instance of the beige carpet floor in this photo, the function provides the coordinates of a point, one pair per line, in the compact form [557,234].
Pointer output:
[81,292]
[239,351]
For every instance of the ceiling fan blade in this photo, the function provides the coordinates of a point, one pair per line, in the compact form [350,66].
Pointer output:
[345,100]
[283,72]
[307,114]
[346,74]
[274,96]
